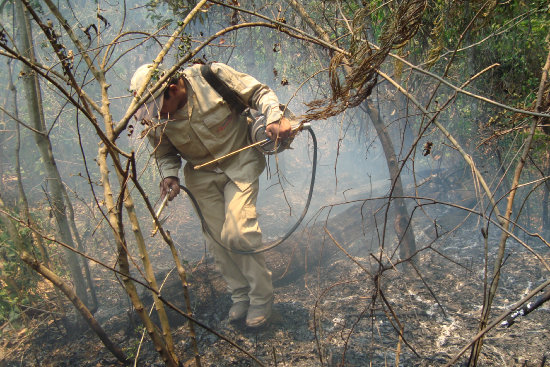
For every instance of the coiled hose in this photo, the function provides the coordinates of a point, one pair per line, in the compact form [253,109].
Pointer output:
[290,231]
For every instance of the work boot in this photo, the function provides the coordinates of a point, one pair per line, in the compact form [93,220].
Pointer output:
[258,315]
[238,311]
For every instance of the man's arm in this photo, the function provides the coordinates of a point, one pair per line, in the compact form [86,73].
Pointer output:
[258,96]
[168,161]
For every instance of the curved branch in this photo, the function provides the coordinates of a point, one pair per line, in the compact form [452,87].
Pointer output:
[139,97]
[134,106]
[77,302]
[115,42]
[14,118]
[465,92]
[412,66]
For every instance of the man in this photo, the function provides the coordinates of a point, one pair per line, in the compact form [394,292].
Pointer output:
[189,120]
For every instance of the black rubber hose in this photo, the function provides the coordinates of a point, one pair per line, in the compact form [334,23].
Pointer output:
[282,239]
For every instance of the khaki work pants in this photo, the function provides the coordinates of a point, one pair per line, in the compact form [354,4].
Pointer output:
[231,216]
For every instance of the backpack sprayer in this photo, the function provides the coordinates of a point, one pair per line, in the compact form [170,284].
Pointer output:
[259,140]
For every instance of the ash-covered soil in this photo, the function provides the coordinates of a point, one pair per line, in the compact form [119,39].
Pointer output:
[331,310]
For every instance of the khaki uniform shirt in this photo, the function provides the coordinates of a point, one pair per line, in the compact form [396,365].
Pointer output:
[207,128]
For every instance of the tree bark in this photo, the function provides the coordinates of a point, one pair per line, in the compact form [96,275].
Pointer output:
[23,204]
[114,218]
[402,221]
[404,230]
[53,178]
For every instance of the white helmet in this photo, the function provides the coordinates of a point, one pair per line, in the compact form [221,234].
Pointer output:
[151,108]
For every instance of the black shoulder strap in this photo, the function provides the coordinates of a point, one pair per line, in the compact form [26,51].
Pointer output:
[223,90]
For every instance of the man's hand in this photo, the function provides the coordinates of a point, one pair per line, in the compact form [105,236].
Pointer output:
[278,130]
[171,186]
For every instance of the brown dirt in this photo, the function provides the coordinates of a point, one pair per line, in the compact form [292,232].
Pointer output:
[327,311]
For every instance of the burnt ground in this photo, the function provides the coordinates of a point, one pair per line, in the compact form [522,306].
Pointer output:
[327,311]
